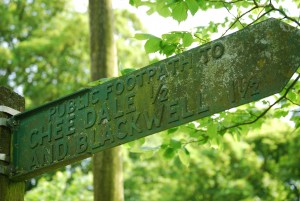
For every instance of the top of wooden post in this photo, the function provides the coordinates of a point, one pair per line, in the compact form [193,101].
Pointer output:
[11,99]
[9,190]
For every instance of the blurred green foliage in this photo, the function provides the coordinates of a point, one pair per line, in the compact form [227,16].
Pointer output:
[46,49]
[264,165]
[237,171]
[64,186]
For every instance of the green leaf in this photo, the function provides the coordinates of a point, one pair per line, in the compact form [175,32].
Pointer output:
[179,12]
[187,39]
[169,49]
[212,130]
[175,144]
[184,157]
[131,2]
[152,45]
[172,130]
[292,95]
[268,8]
[169,153]
[100,81]
[172,37]
[149,148]
[193,6]
[150,11]
[202,5]
[126,71]
[136,144]
[203,139]
[136,150]
[280,113]
[147,154]
[265,102]
[135,3]
[163,9]
[143,36]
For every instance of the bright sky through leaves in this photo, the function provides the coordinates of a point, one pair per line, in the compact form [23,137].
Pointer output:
[158,25]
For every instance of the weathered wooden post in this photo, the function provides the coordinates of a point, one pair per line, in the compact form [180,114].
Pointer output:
[10,102]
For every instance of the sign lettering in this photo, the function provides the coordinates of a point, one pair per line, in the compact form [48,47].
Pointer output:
[245,66]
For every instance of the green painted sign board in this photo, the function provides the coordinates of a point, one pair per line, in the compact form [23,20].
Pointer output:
[245,66]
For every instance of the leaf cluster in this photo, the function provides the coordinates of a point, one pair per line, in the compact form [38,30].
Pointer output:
[177,9]
[43,45]
[240,14]
[255,167]
[170,43]
[260,166]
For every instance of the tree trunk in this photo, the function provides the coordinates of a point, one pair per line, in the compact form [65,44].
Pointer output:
[107,165]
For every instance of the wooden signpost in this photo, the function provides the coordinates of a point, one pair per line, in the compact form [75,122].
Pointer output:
[240,68]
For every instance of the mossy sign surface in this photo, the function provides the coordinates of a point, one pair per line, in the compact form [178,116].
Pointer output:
[242,67]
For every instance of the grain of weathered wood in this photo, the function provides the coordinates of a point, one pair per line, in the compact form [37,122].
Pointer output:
[9,190]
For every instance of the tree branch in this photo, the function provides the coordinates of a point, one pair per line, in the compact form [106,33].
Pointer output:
[265,111]
[295,189]
[238,19]
[286,16]
[256,6]
[255,3]
[195,141]
[227,2]
[259,17]
[292,101]
[232,14]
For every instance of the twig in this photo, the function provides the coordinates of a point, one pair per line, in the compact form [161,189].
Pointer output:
[256,6]
[258,18]
[295,189]
[238,19]
[259,13]
[295,129]
[202,40]
[292,101]
[194,141]
[298,18]
[255,3]
[264,112]
[227,2]
[283,13]
[286,16]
